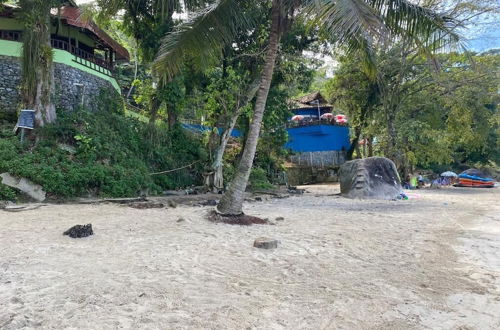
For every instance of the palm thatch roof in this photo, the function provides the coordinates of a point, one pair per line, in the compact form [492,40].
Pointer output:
[310,101]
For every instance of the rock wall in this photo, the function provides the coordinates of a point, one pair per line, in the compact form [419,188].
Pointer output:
[71,85]
[10,78]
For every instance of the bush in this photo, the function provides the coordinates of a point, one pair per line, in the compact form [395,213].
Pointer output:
[103,154]
[7,193]
[259,180]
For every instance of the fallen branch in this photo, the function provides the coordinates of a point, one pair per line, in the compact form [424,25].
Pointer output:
[20,208]
[112,200]
[175,169]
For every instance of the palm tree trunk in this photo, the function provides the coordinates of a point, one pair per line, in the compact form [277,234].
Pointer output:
[232,201]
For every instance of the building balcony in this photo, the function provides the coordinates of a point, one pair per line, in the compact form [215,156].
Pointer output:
[81,56]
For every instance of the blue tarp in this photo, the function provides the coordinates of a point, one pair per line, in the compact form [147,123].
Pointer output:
[302,138]
[318,138]
[197,128]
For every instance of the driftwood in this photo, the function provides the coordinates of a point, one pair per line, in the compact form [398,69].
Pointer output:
[112,200]
[20,208]
[276,194]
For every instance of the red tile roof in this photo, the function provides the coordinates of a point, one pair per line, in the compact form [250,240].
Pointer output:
[74,17]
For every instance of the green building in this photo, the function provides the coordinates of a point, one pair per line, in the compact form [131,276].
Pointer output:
[84,59]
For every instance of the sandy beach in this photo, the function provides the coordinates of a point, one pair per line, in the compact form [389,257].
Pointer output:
[431,262]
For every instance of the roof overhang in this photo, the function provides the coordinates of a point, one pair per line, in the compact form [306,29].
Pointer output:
[73,16]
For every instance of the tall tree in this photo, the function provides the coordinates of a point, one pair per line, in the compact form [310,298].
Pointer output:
[37,86]
[354,91]
[352,22]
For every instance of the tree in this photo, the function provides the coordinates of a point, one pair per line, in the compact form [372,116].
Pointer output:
[353,22]
[147,21]
[355,91]
[440,117]
[37,86]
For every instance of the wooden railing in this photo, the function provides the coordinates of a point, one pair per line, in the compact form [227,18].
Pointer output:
[81,56]
[11,35]
[313,122]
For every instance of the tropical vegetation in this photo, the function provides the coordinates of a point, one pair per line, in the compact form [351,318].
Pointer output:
[411,91]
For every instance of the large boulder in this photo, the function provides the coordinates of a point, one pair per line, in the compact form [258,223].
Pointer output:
[370,178]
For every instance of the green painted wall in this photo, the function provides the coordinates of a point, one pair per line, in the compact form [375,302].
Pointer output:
[64,30]
[10,48]
[10,24]
[13,48]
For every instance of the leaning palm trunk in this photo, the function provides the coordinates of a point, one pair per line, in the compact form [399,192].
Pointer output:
[232,201]
[37,66]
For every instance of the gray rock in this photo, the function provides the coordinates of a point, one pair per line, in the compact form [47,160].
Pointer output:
[265,243]
[27,187]
[67,148]
[370,178]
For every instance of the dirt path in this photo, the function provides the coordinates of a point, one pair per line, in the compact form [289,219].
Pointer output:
[432,262]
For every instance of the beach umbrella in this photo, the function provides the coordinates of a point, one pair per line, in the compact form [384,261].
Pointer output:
[327,116]
[297,118]
[449,174]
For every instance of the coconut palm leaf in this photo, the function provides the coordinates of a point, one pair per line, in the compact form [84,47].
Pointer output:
[357,24]
[203,36]
[406,19]
[345,19]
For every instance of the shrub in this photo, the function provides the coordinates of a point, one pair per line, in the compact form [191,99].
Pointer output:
[113,156]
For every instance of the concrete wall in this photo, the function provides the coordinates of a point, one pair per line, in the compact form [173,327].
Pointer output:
[299,175]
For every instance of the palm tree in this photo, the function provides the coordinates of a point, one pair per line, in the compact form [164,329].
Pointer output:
[357,24]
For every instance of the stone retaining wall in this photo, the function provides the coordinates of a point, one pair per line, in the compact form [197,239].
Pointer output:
[10,78]
[71,85]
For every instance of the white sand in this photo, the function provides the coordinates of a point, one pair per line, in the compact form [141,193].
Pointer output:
[432,262]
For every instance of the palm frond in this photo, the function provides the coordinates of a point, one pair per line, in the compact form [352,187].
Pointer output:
[359,24]
[346,18]
[422,25]
[203,36]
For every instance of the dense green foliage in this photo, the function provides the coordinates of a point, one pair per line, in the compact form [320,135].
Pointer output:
[113,156]
[417,114]
[422,115]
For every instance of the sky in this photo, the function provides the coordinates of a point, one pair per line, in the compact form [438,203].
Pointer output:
[483,35]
